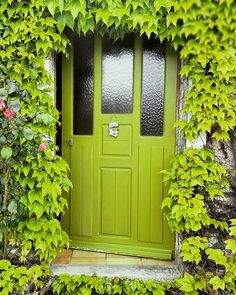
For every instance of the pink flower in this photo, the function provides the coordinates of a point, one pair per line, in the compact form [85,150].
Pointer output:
[43,146]
[9,113]
[2,105]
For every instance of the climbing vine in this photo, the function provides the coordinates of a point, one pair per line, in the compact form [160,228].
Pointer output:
[33,176]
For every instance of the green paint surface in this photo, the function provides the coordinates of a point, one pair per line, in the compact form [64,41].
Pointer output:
[115,203]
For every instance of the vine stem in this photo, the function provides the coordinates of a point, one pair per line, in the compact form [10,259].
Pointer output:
[6,172]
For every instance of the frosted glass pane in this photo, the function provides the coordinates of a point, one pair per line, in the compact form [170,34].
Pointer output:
[117,76]
[153,87]
[83,85]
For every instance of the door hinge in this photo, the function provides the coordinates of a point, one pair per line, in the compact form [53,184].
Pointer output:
[70,142]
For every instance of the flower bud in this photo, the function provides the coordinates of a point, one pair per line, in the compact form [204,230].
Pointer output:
[43,146]
[9,113]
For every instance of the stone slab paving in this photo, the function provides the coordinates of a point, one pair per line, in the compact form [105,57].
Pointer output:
[91,257]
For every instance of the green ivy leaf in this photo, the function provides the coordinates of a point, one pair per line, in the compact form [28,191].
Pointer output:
[14,105]
[231,245]
[64,19]
[5,264]
[38,209]
[75,7]
[217,255]
[186,283]
[186,70]
[51,5]
[46,119]
[61,5]
[28,133]
[12,87]
[34,195]
[217,283]
[3,139]
[160,3]
[40,44]
[3,93]
[6,152]
[26,169]
[12,207]
[167,202]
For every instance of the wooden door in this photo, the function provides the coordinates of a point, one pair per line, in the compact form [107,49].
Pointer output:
[118,115]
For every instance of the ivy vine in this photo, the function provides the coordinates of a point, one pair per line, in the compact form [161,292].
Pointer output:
[33,177]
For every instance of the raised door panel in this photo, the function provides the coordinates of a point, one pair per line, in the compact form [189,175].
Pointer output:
[150,194]
[115,201]
[82,195]
[117,146]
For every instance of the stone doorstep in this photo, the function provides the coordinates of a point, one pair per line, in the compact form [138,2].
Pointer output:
[157,273]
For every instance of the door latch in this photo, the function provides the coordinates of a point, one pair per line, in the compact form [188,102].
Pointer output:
[70,142]
[113,129]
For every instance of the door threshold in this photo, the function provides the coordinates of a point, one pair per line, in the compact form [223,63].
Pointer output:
[127,250]
[88,257]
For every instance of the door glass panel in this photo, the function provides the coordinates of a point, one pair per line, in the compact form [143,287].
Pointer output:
[117,76]
[83,85]
[152,110]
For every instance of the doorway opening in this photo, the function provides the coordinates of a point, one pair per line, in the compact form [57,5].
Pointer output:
[118,109]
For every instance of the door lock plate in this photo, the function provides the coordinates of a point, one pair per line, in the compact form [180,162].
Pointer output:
[113,129]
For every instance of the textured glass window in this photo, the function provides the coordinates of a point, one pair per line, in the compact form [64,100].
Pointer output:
[83,85]
[153,87]
[117,76]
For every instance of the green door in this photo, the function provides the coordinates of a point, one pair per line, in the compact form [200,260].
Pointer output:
[118,111]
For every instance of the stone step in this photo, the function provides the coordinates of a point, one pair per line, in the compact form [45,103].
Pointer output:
[157,273]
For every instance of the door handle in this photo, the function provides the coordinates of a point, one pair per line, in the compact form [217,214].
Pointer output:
[70,142]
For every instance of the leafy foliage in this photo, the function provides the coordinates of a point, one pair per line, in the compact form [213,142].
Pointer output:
[191,285]
[83,284]
[194,177]
[33,177]
[18,279]
[191,248]
[208,32]
[203,30]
